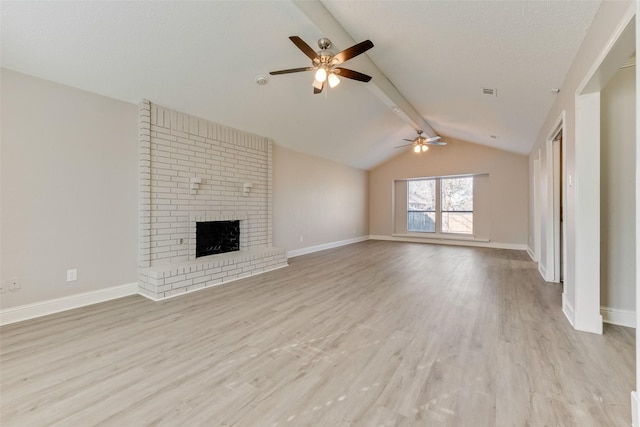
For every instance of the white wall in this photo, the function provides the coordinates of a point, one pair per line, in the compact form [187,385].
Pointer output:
[618,192]
[69,189]
[503,203]
[604,24]
[316,201]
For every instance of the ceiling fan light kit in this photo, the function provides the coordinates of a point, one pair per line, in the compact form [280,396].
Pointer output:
[420,148]
[333,80]
[325,63]
[421,143]
[321,75]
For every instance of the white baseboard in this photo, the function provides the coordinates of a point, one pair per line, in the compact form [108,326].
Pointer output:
[30,311]
[324,246]
[43,308]
[635,409]
[532,255]
[616,316]
[453,242]
[567,309]
[542,270]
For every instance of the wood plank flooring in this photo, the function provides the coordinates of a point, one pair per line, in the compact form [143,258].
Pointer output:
[371,334]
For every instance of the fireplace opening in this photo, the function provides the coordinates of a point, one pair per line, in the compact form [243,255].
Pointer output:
[217,237]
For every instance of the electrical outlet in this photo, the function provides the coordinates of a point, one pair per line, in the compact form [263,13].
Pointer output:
[72,275]
[301,239]
[14,284]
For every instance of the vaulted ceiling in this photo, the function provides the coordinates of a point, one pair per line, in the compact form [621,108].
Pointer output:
[203,58]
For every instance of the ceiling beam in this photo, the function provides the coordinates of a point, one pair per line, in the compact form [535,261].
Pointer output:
[380,85]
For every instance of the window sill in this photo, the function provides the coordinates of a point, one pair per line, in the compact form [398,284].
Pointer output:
[438,236]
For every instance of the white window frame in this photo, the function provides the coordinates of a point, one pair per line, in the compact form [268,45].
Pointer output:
[437,203]
[438,212]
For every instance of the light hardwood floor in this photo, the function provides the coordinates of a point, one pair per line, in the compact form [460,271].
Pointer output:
[371,334]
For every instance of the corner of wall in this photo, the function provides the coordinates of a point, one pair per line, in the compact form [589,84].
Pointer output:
[144,182]
[567,309]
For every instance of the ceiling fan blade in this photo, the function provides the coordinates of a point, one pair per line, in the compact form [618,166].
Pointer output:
[290,70]
[305,48]
[317,87]
[405,145]
[350,74]
[439,143]
[410,140]
[352,51]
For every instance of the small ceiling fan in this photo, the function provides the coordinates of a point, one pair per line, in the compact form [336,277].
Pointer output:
[325,62]
[422,143]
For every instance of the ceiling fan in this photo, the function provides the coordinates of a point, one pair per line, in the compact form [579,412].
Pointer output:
[325,62]
[422,143]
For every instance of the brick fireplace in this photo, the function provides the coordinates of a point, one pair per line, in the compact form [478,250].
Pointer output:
[193,170]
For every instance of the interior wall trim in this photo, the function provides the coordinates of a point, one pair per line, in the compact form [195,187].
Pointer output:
[57,305]
[635,409]
[542,270]
[455,242]
[531,254]
[311,249]
[568,309]
[616,316]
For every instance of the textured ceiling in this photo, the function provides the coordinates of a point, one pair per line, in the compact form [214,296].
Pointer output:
[202,58]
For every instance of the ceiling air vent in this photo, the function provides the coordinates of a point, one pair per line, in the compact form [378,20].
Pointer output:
[486,91]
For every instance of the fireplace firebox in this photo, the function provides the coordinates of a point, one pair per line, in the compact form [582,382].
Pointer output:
[216,237]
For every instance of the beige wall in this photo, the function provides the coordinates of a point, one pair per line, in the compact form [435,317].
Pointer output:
[609,16]
[502,201]
[69,189]
[481,209]
[618,192]
[316,201]
[69,192]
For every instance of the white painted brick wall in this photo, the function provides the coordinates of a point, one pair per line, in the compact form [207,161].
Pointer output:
[174,148]
[173,279]
[184,147]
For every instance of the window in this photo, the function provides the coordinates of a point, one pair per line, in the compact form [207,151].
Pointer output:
[456,196]
[422,205]
[442,205]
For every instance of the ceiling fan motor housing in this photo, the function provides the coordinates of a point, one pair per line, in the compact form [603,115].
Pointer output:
[324,43]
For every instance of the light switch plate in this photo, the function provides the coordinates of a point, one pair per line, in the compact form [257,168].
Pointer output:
[72,275]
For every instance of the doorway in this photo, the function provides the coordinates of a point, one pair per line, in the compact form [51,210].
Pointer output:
[556,202]
[558,208]
[537,235]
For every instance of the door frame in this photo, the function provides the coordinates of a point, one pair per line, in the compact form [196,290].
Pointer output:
[553,248]
[584,308]
[537,212]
